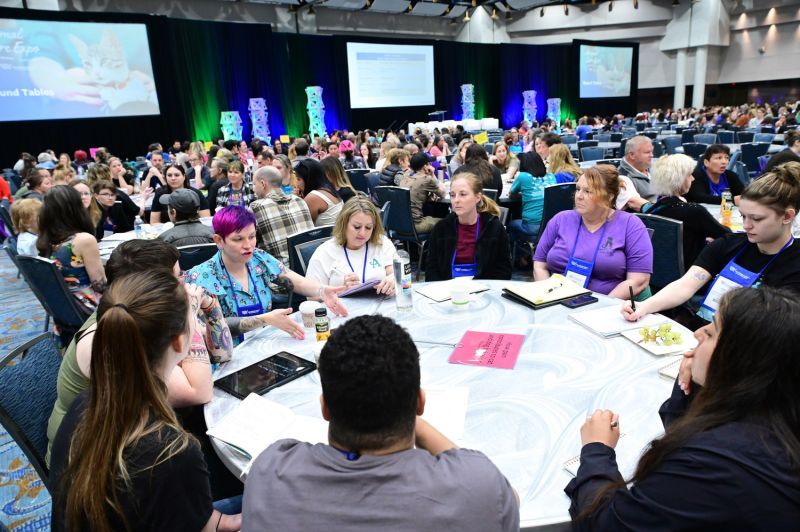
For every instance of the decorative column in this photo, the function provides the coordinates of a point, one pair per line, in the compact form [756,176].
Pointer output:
[467,102]
[231,124]
[554,110]
[529,106]
[258,117]
[679,99]
[700,67]
[316,111]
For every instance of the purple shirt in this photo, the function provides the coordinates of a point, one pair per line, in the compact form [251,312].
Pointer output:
[626,247]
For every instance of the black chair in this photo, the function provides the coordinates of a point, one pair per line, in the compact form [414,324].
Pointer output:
[726,137]
[695,150]
[358,178]
[744,136]
[11,249]
[298,259]
[385,212]
[751,151]
[48,285]
[490,193]
[667,238]
[5,216]
[195,254]
[671,142]
[504,215]
[687,135]
[652,135]
[399,223]
[586,144]
[658,148]
[616,137]
[705,138]
[27,396]
[557,198]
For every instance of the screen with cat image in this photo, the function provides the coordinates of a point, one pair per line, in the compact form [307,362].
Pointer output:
[52,70]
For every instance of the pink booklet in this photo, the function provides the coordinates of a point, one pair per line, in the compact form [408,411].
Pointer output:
[494,350]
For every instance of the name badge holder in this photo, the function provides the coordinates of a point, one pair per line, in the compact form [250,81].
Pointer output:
[244,311]
[731,277]
[364,269]
[580,271]
[466,270]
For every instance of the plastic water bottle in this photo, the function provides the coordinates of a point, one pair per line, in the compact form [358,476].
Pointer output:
[137,227]
[402,277]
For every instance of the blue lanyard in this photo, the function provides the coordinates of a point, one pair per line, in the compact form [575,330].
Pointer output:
[578,235]
[233,290]
[718,188]
[477,230]
[733,260]
[364,270]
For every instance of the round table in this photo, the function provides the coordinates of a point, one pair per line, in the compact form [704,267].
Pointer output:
[527,420]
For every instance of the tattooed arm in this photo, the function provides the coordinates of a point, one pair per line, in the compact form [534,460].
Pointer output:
[190,382]
[239,326]
[674,294]
[217,335]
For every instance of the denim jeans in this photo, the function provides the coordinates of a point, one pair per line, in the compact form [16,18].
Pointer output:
[520,233]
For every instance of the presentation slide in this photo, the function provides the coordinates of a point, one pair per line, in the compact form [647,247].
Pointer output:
[390,75]
[52,70]
[605,71]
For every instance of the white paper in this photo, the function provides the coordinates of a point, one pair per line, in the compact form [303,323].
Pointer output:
[441,291]
[608,321]
[628,450]
[446,409]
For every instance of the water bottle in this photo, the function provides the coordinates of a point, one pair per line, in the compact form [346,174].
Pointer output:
[402,277]
[137,227]
[726,208]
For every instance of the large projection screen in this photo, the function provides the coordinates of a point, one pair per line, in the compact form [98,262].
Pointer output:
[605,71]
[390,75]
[54,70]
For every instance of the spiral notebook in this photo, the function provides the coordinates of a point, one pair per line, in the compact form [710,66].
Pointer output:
[541,294]
[670,371]
[627,452]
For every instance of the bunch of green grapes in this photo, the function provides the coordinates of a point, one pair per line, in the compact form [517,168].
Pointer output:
[664,335]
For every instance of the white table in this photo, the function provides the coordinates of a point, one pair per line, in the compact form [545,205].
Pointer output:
[527,420]
[109,243]
[736,219]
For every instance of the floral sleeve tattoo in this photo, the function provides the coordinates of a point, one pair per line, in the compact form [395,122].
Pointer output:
[218,335]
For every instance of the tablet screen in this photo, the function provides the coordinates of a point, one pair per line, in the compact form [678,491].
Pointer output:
[265,375]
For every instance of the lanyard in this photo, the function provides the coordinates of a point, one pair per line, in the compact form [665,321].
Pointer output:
[477,230]
[775,256]
[364,269]
[233,290]
[577,237]
[717,189]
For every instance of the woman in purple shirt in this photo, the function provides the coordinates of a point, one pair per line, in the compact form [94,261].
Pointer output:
[594,245]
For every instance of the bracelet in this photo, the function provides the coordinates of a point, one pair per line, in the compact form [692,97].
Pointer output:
[219,521]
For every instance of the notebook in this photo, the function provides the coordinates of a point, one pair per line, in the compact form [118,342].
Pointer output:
[441,291]
[361,288]
[670,371]
[541,294]
[607,321]
[628,453]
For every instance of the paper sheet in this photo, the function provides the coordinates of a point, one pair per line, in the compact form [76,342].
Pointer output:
[446,409]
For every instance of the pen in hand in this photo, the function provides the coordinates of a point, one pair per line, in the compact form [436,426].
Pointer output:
[633,303]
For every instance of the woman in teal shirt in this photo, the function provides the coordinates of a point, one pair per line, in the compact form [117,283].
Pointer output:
[526,229]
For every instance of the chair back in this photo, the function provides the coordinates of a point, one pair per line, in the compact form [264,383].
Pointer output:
[11,249]
[385,213]
[705,138]
[569,139]
[296,260]
[726,137]
[592,153]
[694,150]
[751,151]
[603,137]
[49,287]
[764,137]
[740,170]
[358,178]
[744,136]
[5,217]
[490,193]
[667,238]
[767,129]
[28,376]
[399,223]
[557,198]
[651,134]
[762,163]
[640,126]
[489,147]
[658,148]
[305,250]
[586,144]
[671,142]
[687,135]
[504,214]
[616,137]
[195,254]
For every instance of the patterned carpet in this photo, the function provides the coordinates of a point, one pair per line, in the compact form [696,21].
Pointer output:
[24,501]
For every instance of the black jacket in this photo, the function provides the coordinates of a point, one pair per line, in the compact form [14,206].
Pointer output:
[121,215]
[391,175]
[492,251]
[700,191]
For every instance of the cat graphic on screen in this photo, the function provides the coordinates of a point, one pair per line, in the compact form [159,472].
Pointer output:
[103,79]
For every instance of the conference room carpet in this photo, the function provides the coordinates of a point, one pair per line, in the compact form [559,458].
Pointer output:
[24,501]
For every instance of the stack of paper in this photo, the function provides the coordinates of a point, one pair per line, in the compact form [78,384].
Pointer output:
[545,293]
[608,321]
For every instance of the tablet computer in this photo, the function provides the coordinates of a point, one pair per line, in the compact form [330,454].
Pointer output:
[265,375]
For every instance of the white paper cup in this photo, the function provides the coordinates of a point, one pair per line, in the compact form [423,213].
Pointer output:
[459,297]
[307,309]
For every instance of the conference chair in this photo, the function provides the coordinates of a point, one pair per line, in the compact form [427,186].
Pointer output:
[764,137]
[740,170]
[671,142]
[48,285]
[195,254]
[695,150]
[557,198]
[586,144]
[11,250]
[743,137]
[592,153]
[767,129]
[490,193]
[616,137]
[489,147]
[569,139]
[687,135]
[667,238]
[399,223]
[640,126]
[299,253]
[705,138]
[603,137]
[726,137]
[5,216]
[358,178]
[751,151]
[504,215]
[28,376]
[385,212]
[658,148]
[628,132]
[651,134]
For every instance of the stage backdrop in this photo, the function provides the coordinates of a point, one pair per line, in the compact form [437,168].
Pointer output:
[203,68]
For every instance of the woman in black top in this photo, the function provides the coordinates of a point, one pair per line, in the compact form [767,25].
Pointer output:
[121,460]
[118,211]
[670,180]
[730,457]
[711,178]
[476,162]
[176,178]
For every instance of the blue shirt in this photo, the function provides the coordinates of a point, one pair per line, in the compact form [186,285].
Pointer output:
[532,191]
[211,275]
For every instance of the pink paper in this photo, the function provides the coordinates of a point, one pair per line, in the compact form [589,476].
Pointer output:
[494,350]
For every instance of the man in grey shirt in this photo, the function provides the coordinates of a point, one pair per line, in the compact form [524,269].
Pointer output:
[183,206]
[636,164]
[384,468]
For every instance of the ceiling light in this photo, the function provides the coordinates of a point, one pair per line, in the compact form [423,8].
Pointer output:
[466,15]
[494,14]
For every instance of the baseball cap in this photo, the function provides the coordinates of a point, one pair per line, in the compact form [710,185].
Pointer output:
[419,160]
[182,200]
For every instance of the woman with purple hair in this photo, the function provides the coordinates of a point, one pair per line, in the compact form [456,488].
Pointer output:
[239,276]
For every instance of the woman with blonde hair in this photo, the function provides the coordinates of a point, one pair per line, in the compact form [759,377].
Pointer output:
[335,173]
[290,183]
[470,241]
[458,159]
[97,172]
[119,176]
[504,160]
[63,174]
[359,251]
[87,199]
[562,165]
[25,217]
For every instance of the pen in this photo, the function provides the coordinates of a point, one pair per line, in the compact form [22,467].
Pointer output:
[633,303]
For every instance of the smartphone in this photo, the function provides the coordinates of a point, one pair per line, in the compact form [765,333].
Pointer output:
[580,301]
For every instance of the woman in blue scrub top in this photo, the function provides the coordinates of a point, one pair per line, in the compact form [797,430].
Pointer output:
[766,253]
[239,275]
[470,241]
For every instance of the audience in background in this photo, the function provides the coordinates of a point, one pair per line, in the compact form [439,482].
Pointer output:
[237,191]
[337,177]
[505,161]
[423,187]
[153,176]
[199,174]
[562,165]
[87,199]
[635,165]
[712,177]
[398,161]
[791,153]
[524,231]
[477,164]
[183,208]
[39,184]
[349,160]
[458,157]
[289,179]
[117,210]
[119,176]
[323,202]
[175,179]
[218,170]
[25,217]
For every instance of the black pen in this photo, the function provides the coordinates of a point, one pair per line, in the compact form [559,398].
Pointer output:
[633,303]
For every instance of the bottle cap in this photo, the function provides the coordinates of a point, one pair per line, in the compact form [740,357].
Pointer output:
[321,312]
